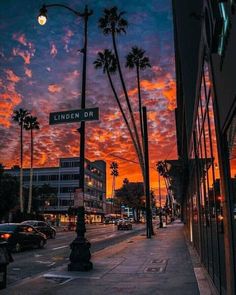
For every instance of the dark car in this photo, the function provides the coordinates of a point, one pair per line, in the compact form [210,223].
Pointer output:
[124,225]
[21,236]
[43,227]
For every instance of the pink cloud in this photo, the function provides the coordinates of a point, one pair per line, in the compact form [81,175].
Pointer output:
[53,88]
[20,38]
[11,76]
[28,72]
[53,51]
[24,54]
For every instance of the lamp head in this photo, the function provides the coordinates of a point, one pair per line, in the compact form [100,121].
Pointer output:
[42,18]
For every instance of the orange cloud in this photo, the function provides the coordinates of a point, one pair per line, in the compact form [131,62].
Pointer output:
[43,159]
[8,101]
[11,76]
[53,88]
[28,72]
[150,85]
[24,54]
[170,93]
[133,92]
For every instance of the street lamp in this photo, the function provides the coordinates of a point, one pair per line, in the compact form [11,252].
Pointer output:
[80,247]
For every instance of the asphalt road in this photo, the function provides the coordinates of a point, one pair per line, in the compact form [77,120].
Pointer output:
[33,262]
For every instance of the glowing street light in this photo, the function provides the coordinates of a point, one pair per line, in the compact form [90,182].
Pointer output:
[42,18]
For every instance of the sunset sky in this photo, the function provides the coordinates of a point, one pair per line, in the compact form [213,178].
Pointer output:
[40,70]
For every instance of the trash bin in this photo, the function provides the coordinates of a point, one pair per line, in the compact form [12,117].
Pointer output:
[5,259]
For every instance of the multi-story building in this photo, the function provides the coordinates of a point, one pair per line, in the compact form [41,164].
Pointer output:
[65,180]
[205,46]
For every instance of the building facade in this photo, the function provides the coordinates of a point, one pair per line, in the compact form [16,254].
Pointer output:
[205,46]
[65,180]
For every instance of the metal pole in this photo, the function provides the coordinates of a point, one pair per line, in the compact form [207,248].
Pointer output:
[146,161]
[80,247]
[160,213]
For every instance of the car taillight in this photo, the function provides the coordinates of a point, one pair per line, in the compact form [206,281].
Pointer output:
[5,236]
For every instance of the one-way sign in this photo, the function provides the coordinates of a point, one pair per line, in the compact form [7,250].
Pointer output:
[74,116]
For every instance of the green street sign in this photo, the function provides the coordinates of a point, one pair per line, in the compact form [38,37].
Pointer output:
[74,116]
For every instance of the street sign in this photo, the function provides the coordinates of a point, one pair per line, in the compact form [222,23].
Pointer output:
[74,116]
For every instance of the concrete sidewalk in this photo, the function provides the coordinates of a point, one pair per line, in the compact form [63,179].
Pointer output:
[161,266]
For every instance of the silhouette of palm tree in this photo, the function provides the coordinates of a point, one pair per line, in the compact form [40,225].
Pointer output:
[112,23]
[19,117]
[107,62]
[31,124]
[136,59]
[114,173]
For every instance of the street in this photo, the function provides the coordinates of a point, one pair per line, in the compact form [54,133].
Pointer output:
[30,263]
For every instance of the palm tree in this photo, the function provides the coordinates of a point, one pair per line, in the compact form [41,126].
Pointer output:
[19,117]
[113,23]
[107,61]
[136,59]
[114,173]
[31,124]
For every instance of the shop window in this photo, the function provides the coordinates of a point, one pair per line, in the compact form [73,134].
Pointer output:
[231,141]
[206,188]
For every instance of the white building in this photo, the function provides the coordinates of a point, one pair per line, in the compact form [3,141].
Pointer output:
[65,178]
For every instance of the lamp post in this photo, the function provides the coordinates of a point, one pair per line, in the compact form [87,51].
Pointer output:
[80,247]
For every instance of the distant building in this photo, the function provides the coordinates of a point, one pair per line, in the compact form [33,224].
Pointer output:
[65,179]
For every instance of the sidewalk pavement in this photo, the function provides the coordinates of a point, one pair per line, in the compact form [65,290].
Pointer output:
[161,265]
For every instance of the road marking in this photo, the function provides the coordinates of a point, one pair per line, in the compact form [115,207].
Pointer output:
[37,255]
[61,247]
[43,262]
[15,268]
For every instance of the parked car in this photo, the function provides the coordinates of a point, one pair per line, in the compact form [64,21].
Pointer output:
[43,227]
[21,236]
[124,225]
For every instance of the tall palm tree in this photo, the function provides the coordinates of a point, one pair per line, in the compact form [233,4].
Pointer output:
[19,117]
[114,173]
[107,62]
[31,124]
[136,59]
[113,23]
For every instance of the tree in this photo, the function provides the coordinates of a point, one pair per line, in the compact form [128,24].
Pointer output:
[19,117]
[136,59]
[113,23]
[131,194]
[9,188]
[47,194]
[114,173]
[107,61]
[31,124]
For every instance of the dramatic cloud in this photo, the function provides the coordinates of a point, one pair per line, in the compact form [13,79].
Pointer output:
[41,71]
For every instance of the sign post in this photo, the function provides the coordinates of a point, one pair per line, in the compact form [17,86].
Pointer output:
[74,116]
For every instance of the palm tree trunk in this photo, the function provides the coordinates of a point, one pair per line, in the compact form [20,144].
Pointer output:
[128,104]
[126,122]
[31,174]
[112,187]
[21,169]
[140,103]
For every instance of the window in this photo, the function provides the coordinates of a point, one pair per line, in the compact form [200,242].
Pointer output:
[205,192]
[231,142]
